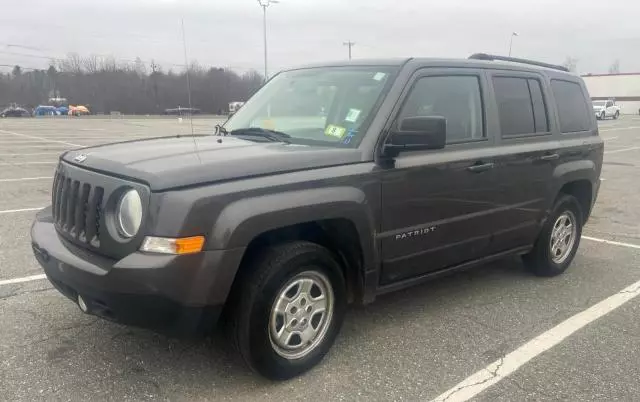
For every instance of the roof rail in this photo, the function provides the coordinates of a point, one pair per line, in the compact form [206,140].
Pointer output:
[491,57]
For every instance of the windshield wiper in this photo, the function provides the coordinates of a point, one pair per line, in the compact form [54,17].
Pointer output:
[271,135]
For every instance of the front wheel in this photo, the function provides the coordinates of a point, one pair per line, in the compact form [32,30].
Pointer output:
[602,116]
[559,239]
[288,309]
[615,116]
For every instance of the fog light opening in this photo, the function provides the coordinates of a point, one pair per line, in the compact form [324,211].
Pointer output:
[83,304]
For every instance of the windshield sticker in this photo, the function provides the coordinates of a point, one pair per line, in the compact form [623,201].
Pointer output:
[352,116]
[349,137]
[335,131]
[268,124]
[379,76]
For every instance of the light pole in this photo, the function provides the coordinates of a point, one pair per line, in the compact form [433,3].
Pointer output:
[265,4]
[511,41]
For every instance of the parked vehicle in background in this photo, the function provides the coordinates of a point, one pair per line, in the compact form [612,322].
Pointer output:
[14,111]
[420,167]
[182,111]
[45,110]
[78,110]
[603,109]
[234,107]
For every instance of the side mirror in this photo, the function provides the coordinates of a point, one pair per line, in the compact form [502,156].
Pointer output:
[418,133]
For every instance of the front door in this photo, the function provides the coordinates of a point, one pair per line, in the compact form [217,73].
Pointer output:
[437,205]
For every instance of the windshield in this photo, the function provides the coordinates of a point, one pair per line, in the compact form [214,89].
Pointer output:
[598,104]
[317,106]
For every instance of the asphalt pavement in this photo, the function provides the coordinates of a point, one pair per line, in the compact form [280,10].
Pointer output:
[416,344]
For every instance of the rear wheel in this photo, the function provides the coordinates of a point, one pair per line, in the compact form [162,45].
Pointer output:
[602,115]
[615,116]
[289,309]
[559,239]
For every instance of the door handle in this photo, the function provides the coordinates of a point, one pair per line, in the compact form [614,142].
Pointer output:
[480,167]
[549,157]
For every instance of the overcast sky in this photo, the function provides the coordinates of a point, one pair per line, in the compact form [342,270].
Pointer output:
[228,33]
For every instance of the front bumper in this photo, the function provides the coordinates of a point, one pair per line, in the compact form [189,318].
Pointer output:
[181,293]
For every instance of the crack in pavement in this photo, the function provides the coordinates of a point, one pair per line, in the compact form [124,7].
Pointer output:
[493,373]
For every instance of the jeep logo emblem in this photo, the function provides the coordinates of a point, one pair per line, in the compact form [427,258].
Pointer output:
[80,158]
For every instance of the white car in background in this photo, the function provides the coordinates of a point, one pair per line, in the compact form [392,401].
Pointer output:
[604,109]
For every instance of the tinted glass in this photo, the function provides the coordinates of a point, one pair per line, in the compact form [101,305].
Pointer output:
[572,108]
[316,106]
[539,109]
[514,105]
[456,98]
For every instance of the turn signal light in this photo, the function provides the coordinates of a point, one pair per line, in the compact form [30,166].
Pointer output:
[164,245]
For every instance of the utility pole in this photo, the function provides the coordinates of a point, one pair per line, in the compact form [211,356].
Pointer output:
[349,44]
[265,4]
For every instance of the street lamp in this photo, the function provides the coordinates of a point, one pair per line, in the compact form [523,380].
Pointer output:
[511,41]
[265,4]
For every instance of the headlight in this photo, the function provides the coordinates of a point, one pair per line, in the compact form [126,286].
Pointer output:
[129,213]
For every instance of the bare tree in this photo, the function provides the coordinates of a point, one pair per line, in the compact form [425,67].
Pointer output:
[104,84]
[571,64]
[614,68]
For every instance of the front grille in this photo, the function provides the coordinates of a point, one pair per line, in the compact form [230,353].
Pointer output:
[77,209]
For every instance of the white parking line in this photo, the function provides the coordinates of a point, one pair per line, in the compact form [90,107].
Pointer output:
[25,179]
[25,279]
[610,138]
[508,364]
[615,151]
[615,243]
[39,138]
[619,128]
[33,154]
[12,211]
[27,163]
[41,146]
[505,366]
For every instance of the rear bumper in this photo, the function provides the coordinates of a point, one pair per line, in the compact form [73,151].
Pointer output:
[176,293]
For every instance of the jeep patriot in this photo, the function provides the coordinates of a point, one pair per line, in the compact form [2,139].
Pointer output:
[333,184]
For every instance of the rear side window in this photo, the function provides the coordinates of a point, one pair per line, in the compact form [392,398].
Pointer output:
[521,106]
[572,108]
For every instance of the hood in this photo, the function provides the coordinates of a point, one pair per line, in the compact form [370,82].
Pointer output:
[169,162]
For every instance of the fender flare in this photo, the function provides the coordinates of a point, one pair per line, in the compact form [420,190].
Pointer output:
[242,221]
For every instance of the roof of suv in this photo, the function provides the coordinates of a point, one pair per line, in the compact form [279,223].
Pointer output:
[483,61]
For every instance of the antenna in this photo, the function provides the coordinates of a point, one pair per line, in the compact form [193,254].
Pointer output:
[186,65]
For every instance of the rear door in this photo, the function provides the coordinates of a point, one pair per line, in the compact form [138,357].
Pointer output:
[527,156]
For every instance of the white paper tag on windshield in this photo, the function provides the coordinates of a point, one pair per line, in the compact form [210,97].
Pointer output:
[352,116]
[379,76]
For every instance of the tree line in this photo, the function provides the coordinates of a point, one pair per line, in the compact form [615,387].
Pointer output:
[106,85]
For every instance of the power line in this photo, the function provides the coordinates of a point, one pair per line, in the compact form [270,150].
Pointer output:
[349,44]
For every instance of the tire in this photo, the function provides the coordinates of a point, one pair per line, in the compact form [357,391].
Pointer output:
[542,261]
[615,116]
[602,116]
[280,273]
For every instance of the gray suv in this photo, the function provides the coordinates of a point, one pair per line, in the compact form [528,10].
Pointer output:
[332,185]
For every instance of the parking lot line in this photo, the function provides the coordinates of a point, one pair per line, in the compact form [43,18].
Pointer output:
[619,128]
[615,243]
[25,279]
[32,154]
[507,365]
[622,150]
[12,211]
[27,163]
[39,138]
[26,179]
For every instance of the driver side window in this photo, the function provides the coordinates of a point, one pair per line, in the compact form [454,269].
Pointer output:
[456,98]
